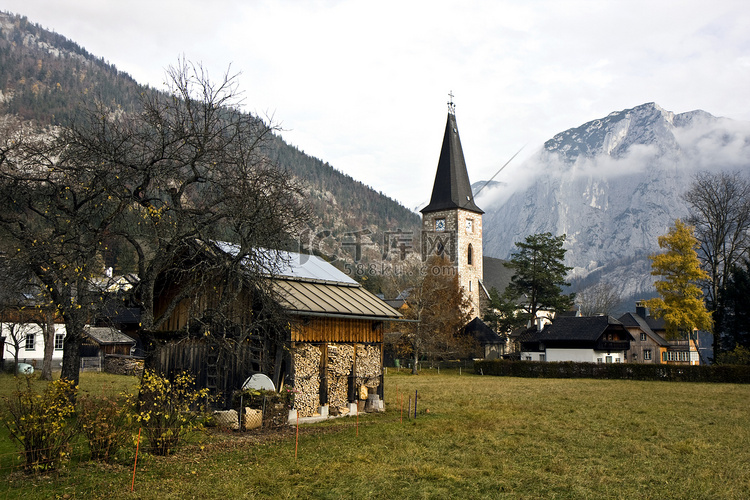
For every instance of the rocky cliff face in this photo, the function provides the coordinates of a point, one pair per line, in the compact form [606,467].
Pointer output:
[613,186]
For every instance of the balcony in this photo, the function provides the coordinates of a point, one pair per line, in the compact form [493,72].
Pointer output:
[612,345]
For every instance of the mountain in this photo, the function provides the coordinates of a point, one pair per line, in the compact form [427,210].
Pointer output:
[612,185]
[46,78]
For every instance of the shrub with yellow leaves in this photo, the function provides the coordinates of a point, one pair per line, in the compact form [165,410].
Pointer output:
[106,422]
[168,410]
[43,424]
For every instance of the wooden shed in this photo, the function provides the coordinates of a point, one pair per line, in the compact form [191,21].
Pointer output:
[329,348]
[337,338]
[99,341]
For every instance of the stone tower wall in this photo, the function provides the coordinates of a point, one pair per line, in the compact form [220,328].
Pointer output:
[456,239]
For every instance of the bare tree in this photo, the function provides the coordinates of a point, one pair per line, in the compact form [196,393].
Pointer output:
[16,335]
[720,212]
[23,304]
[193,169]
[600,298]
[188,169]
[54,211]
[439,307]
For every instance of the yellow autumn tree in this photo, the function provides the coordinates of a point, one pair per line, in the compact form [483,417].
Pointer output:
[681,299]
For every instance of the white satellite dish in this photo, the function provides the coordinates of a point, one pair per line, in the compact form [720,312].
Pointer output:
[259,382]
[25,368]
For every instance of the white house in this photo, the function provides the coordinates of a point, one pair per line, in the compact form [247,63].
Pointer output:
[30,340]
[597,339]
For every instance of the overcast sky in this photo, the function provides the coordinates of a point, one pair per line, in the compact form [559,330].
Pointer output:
[364,85]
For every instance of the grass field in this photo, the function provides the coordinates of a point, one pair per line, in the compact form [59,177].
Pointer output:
[474,437]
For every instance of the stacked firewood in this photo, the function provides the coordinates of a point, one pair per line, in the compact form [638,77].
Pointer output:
[369,365]
[340,361]
[306,379]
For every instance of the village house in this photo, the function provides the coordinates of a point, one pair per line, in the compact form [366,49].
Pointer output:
[596,339]
[650,345]
[28,337]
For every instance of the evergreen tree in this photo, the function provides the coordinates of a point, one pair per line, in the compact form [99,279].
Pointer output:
[539,275]
[737,307]
[502,313]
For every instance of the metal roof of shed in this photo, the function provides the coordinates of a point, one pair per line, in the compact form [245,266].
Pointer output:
[307,284]
[295,265]
[300,297]
[107,335]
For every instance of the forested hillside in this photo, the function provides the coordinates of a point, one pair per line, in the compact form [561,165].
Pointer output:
[48,79]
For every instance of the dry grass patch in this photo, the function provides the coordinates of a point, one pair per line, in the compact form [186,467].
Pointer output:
[487,437]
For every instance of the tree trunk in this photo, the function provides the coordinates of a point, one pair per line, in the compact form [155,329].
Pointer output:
[15,360]
[72,356]
[48,331]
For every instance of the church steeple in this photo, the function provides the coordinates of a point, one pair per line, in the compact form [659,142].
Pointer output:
[452,223]
[452,188]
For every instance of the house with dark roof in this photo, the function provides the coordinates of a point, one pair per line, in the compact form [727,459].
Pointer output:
[490,345]
[650,344]
[597,339]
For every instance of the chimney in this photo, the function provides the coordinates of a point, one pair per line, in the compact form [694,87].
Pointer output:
[640,308]
[539,324]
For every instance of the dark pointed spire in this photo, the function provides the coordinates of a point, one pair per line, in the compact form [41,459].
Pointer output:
[452,188]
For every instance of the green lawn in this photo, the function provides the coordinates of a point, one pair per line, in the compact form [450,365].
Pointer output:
[474,437]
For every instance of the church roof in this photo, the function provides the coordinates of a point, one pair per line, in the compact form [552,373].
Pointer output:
[452,188]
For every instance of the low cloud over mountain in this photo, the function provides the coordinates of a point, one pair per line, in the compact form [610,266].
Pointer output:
[612,185]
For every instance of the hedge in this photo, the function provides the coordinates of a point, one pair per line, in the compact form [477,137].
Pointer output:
[734,374]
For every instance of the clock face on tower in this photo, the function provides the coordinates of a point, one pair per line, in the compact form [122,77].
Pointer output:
[439,224]
[469,226]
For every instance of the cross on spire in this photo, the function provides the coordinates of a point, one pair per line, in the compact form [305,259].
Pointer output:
[451,106]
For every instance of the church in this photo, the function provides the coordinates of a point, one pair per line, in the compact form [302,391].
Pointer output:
[452,222]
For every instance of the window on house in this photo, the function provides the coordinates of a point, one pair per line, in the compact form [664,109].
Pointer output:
[469,255]
[609,359]
[617,360]
[542,357]
[598,360]
[677,356]
[643,337]
[59,341]
[647,354]
[664,356]
[30,340]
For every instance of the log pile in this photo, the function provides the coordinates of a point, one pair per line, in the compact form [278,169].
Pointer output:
[340,361]
[369,366]
[306,359]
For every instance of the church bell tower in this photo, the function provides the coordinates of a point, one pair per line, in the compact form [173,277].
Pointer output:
[451,222]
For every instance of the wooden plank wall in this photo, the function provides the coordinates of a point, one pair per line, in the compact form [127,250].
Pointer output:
[239,309]
[318,329]
[234,365]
